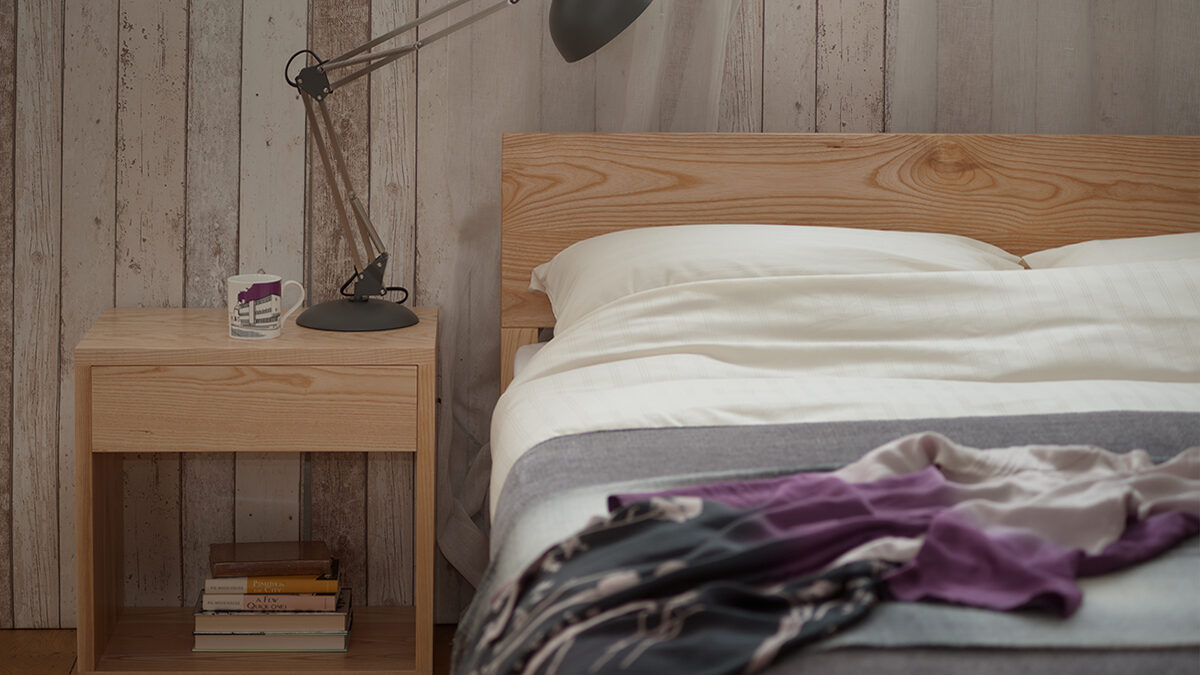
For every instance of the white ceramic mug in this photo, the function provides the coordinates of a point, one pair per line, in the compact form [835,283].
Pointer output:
[254,302]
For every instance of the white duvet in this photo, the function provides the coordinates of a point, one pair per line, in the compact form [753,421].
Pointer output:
[878,346]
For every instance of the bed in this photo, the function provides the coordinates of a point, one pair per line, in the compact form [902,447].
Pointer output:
[658,382]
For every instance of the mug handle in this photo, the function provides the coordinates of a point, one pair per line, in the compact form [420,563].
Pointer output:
[298,302]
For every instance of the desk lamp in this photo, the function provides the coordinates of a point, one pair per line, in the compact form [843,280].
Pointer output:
[578,28]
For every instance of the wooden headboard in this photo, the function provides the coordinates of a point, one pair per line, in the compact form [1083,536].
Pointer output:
[1022,193]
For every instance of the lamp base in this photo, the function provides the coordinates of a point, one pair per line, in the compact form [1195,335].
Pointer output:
[351,316]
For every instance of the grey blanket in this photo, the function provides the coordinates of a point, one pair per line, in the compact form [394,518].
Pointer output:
[555,487]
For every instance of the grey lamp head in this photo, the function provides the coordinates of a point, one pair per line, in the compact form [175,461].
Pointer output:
[580,27]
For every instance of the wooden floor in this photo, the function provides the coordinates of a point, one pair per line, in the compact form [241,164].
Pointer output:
[52,652]
[37,651]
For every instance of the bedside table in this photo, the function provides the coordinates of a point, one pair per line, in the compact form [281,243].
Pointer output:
[171,380]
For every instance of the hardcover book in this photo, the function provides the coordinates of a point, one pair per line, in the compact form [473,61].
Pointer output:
[307,583]
[270,642]
[270,602]
[269,558]
[336,621]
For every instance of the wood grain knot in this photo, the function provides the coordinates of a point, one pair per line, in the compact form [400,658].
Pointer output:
[950,160]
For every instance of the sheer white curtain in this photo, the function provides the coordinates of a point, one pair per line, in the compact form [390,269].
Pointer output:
[664,72]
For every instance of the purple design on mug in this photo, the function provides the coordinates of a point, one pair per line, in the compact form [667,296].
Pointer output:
[259,291]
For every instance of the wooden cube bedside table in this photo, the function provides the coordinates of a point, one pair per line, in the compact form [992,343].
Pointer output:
[172,380]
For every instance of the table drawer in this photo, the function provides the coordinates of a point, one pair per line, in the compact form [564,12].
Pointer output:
[254,408]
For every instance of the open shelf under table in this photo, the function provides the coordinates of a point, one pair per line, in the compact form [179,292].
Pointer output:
[157,639]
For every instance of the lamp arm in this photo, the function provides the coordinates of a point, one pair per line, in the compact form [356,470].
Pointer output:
[350,58]
[313,84]
[375,42]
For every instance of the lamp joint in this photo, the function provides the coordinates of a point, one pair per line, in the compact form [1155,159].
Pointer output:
[314,82]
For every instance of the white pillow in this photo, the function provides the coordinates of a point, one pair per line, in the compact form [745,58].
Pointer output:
[596,271]
[1108,251]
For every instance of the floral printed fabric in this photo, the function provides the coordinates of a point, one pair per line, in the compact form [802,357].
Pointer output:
[997,529]
[684,567]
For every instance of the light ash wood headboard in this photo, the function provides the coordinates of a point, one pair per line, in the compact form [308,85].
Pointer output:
[1022,193]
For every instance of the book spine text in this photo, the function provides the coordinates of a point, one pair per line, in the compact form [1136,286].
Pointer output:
[268,603]
[268,585]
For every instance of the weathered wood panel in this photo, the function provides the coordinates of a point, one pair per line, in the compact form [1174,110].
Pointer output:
[151,128]
[89,209]
[272,188]
[1123,63]
[964,66]
[1176,77]
[213,163]
[850,68]
[1014,66]
[911,87]
[393,118]
[789,66]
[392,205]
[37,176]
[1020,66]
[338,486]
[8,69]
[336,27]
[390,528]
[213,126]
[206,509]
[742,83]
[1064,68]
[268,487]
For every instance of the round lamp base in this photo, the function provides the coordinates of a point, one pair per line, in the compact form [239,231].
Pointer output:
[356,316]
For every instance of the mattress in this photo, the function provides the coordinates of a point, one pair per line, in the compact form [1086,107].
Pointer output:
[807,372]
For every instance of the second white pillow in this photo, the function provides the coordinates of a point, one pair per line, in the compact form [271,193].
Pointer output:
[1163,247]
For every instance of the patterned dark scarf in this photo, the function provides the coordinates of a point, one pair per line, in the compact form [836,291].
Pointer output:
[645,589]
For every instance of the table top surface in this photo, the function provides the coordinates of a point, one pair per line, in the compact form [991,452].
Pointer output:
[153,336]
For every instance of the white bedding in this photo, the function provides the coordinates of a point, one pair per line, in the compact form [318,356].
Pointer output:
[524,353]
[877,346]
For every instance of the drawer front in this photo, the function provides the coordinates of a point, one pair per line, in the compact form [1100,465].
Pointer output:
[254,408]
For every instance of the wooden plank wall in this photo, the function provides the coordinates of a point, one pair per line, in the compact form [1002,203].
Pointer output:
[270,231]
[37,187]
[211,251]
[89,225]
[151,124]
[8,72]
[150,149]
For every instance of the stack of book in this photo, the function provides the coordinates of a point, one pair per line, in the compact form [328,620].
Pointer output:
[272,596]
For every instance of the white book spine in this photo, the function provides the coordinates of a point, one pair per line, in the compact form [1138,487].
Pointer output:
[223,602]
[268,603]
[225,585]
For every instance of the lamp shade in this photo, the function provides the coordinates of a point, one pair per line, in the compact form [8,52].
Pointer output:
[580,27]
